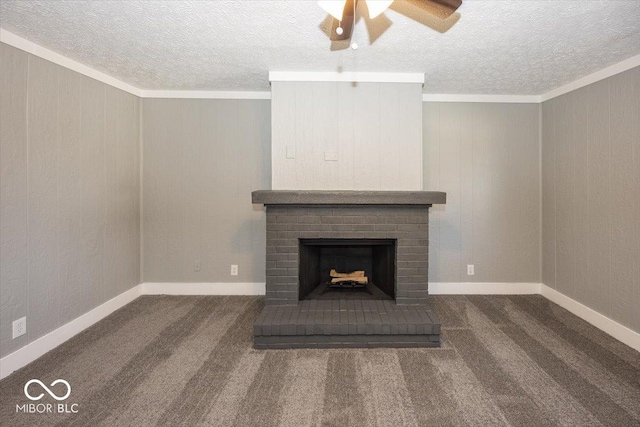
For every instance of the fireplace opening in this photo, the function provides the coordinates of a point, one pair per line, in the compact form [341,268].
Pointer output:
[347,269]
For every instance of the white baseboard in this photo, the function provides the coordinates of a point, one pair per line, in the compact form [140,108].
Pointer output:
[203,288]
[37,348]
[483,288]
[257,288]
[602,322]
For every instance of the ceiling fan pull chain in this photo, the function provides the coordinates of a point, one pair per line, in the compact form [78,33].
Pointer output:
[354,45]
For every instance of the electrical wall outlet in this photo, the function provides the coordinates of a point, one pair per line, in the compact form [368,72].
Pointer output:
[470,270]
[19,327]
[234,270]
[196,266]
[291,152]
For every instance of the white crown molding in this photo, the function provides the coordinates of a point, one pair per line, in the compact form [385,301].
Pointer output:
[44,53]
[42,345]
[497,99]
[18,42]
[204,94]
[332,76]
[149,288]
[483,288]
[618,68]
[602,322]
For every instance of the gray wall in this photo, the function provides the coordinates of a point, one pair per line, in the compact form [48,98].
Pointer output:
[591,196]
[69,194]
[373,129]
[486,157]
[202,159]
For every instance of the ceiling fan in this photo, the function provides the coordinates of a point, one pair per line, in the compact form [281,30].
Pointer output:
[344,12]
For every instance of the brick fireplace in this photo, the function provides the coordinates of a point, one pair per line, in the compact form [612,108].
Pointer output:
[384,234]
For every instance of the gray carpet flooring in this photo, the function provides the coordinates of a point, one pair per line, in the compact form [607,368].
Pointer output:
[170,361]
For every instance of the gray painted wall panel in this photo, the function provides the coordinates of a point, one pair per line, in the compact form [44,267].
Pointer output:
[564,184]
[485,156]
[42,233]
[92,225]
[70,182]
[595,293]
[212,211]
[581,207]
[636,196]
[625,140]
[202,160]
[253,229]
[61,190]
[591,142]
[636,205]
[548,194]
[193,187]
[111,247]
[13,192]
[128,185]
[152,184]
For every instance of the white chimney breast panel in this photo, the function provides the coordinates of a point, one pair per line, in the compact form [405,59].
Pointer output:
[373,129]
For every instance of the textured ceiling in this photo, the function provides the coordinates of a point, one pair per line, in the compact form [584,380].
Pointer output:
[495,47]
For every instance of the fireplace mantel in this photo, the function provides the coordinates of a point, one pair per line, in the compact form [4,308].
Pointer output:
[375,198]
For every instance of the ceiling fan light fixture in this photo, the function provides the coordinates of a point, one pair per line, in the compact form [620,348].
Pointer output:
[334,8]
[376,7]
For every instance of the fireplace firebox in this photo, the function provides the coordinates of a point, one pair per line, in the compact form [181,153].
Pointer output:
[374,258]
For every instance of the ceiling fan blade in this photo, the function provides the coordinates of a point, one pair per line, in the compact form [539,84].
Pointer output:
[346,24]
[440,8]
[334,8]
